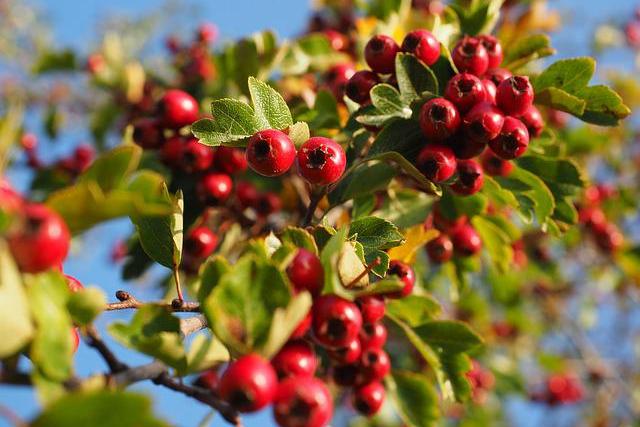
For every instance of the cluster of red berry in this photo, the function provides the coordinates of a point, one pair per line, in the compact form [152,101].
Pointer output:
[560,389]
[72,165]
[481,380]
[457,236]
[632,30]
[193,61]
[606,234]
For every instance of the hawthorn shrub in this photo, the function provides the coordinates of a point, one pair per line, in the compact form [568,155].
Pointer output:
[387,216]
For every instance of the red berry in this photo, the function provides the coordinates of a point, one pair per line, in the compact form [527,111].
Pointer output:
[439,119]
[465,90]
[632,33]
[249,383]
[42,242]
[490,90]
[372,308]
[494,50]
[303,402]
[512,141]
[405,274]
[337,40]
[270,152]
[321,161]
[609,238]
[359,85]
[470,178]
[515,95]
[466,148]
[347,354]
[267,204]
[466,241]
[436,162]
[533,120]
[368,399]
[214,188]
[207,32]
[303,327]
[172,151]
[444,224]
[73,284]
[497,75]
[374,364]
[196,157]
[373,335]
[345,375]
[295,359]
[147,133]
[230,160]
[178,108]
[200,243]
[337,78]
[470,56]
[483,122]
[306,273]
[95,63]
[82,157]
[209,380]
[336,321]
[29,141]
[380,54]
[440,249]
[247,194]
[494,165]
[423,45]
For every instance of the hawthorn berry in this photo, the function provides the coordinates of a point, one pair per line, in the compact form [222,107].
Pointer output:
[338,41]
[200,242]
[346,375]
[295,359]
[306,273]
[268,203]
[497,75]
[532,119]
[41,242]
[470,178]
[214,188]
[494,165]
[321,161]
[248,384]
[247,194]
[440,249]
[374,364]
[372,308]
[515,95]
[229,160]
[439,119]
[483,122]
[405,274]
[196,157]
[380,54]
[302,402]
[171,152]
[466,148]
[178,109]
[423,44]
[209,380]
[512,141]
[445,224]
[335,321]
[490,91]
[359,85]
[465,90]
[470,56]
[347,354]
[466,241]
[147,133]
[368,399]
[337,78]
[436,162]
[303,327]
[270,152]
[493,48]
[207,33]
[608,237]
[373,335]
[73,284]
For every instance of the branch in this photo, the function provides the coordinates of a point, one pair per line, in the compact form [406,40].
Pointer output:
[94,340]
[14,378]
[128,301]
[314,199]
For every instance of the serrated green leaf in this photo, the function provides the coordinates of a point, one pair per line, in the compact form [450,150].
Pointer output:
[285,321]
[495,241]
[570,75]
[448,335]
[210,274]
[85,305]
[271,111]
[527,49]
[300,238]
[329,256]
[387,100]
[365,179]
[299,133]
[604,106]
[375,233]
[112,168]
[414,397]
[233,121]
[559,99]
[414,78]
[414,309]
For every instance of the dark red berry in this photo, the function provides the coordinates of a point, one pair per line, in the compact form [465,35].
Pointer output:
[470,56]
[445,224]
[345,375]
[321,161]
[196,157]
[207,33]
[494,50]
[268,203]
[347,354]
[337,78]
[490,90]
[380,54]
[423,45]
[372,308]
[439,119]
[336,321]
[466,241]
[470,178]
[436,162]
[338,41]
[359,85]
[147,133]
[497,75]
[373,335]
[82,157]
[209,380]
[512,141]
[374,364]
[466,148]
[200,242]
[249,383]
[247,194]
[440,249]
[406,275]
[465,90]
[229,160]
[73,284]
[270,152]
[368,399]
[295,359]
[171,152]
[608,237]
[178,108]
[494,165]
[303,402]
[483,123]
[303,327]
[306,273]
[515,95]
[214,188]
[42,240]
[533,120]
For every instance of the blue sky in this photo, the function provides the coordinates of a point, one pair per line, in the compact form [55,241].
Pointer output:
[72,18]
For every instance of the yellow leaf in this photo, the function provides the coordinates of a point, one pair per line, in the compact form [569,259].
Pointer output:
[416,237]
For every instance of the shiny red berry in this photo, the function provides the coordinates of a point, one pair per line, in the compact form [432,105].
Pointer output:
[338,41]
[196,157]
[512,141]
[483,122]
[374,364]
[303,402]
[214,188]
[436,162]
[359,85]
[373,335]
[439,119]
[494,165]
[406,275]
[440,249]
[470,56]
[295,359]
[494,50]
[465,90]
[306,273]
[337,78]
[380,54]
[423,45]
[200,242]
[490,91]
[372,308]
[336,321]
[270,152]
[368,399]
[249,383]
[515,95]
[178,108]
[347,354]
[497,75]
[229,160]
[466,241]
[42,242]
[73,284]
[533,120]
[321,161]
[470,178]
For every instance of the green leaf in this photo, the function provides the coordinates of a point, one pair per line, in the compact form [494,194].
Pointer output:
[410,170]
[51,61]
[453,206]
[300,238]
[570,75]
[233,121]
[414,397]
[455,366]
[204,353]
[299,133]
[402,136]
[535,200]
[387,100]
[375,233]
[448,335]
[85,305]
[210,274]
[271,112]
[285,321]
[527,49]
[604,106]
[365,179]
[414,309]
[112,168]
[100,409]
[16,327]
[478,17]
[406,207]
[414,78]
[561,100]
[496,243]
[329,256]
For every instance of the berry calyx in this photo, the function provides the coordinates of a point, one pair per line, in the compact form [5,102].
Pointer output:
[336,321]
[423,44]
[494,50]
[515,95]
[306,273]
[470,56]
[296,358]
[436,162]
[440,249]
[368,399]
[380,54]
[483,123]
[470,178]
[466,241]
[512,141]
[249,384]
[302,402]
[321,161]
[359,85]
[439,119]
[270,152]
[178,109]
[214,188]
[465,90]
[406,275]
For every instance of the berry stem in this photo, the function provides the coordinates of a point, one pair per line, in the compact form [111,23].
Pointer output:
[314,199]
[176,278]
[376,262]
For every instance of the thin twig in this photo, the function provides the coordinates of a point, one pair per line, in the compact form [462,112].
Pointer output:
[14,378]
[176,278]
[376,262]
[314,199]
[128,301]
[94,340]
